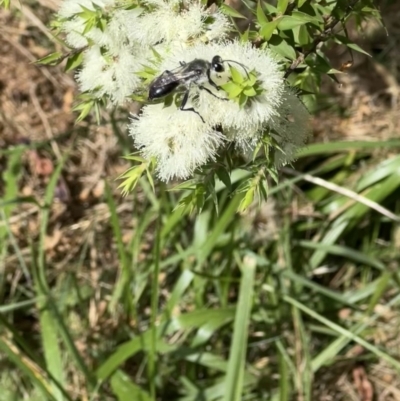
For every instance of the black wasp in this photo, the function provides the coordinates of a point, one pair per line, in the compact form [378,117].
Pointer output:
[195,73]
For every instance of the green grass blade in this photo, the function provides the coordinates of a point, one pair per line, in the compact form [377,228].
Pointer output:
[35,374]
[346,146]
[380,289]
[225,219]
[329,352]
[237,356]
[344,332]
[48,325]
[345,252]
[190,320]
[304,372]
[155,293]
[126,390]
[284,373]
[125,275]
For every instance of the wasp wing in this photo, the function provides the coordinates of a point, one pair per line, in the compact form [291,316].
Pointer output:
[168,81]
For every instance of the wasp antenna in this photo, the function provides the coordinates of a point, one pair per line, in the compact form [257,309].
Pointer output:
[245,69]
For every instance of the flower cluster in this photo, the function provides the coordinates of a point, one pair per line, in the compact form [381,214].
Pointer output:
[179,141]
[270,107]
[127,44]
[118,38]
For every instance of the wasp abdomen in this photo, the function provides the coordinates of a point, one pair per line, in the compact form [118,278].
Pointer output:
[156,92]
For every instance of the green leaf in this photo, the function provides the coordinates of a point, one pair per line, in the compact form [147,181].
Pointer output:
[347,42]
[281,47]
[247,200]
[343,332]
[87,13]
[382,285]
[282,5]
[261,17]
[228,10]
[126,390]
[298,18]
[270,9]
[85,108]
[244,37]
[237,357]
[145,74]
[136,158]
[200,196]
[36,376]
[50,59]
[49,324]
[90,23]
[284,372]
[102,24]
[302,36]
[224,176]
[209,329]
[250,92]
[233,90]
[268,29]
[74,61]
[252,78]
[131,177]
[317,21]
[289,22]
[237,77]
[5,4]
[243,100]
[321,63]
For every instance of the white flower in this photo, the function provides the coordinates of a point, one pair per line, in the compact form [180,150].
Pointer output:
[243,123]
[70,8]
[174,20]
[73,29]
[74,25]
[292,127]
[179,140]
[276,111]
[110,75]
[114,35]
[218,28]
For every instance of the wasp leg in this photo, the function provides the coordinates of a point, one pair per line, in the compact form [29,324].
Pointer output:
[208,91]
[182,63]
[183,104]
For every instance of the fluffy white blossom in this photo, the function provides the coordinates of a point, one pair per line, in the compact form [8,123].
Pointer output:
[73,29]
[120,49]
[69,8]
[218,28]
[276,111]
[179,140]
[241,122]
[180,32]
[175,20]
[112,75]
[116,35]
[73,24]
